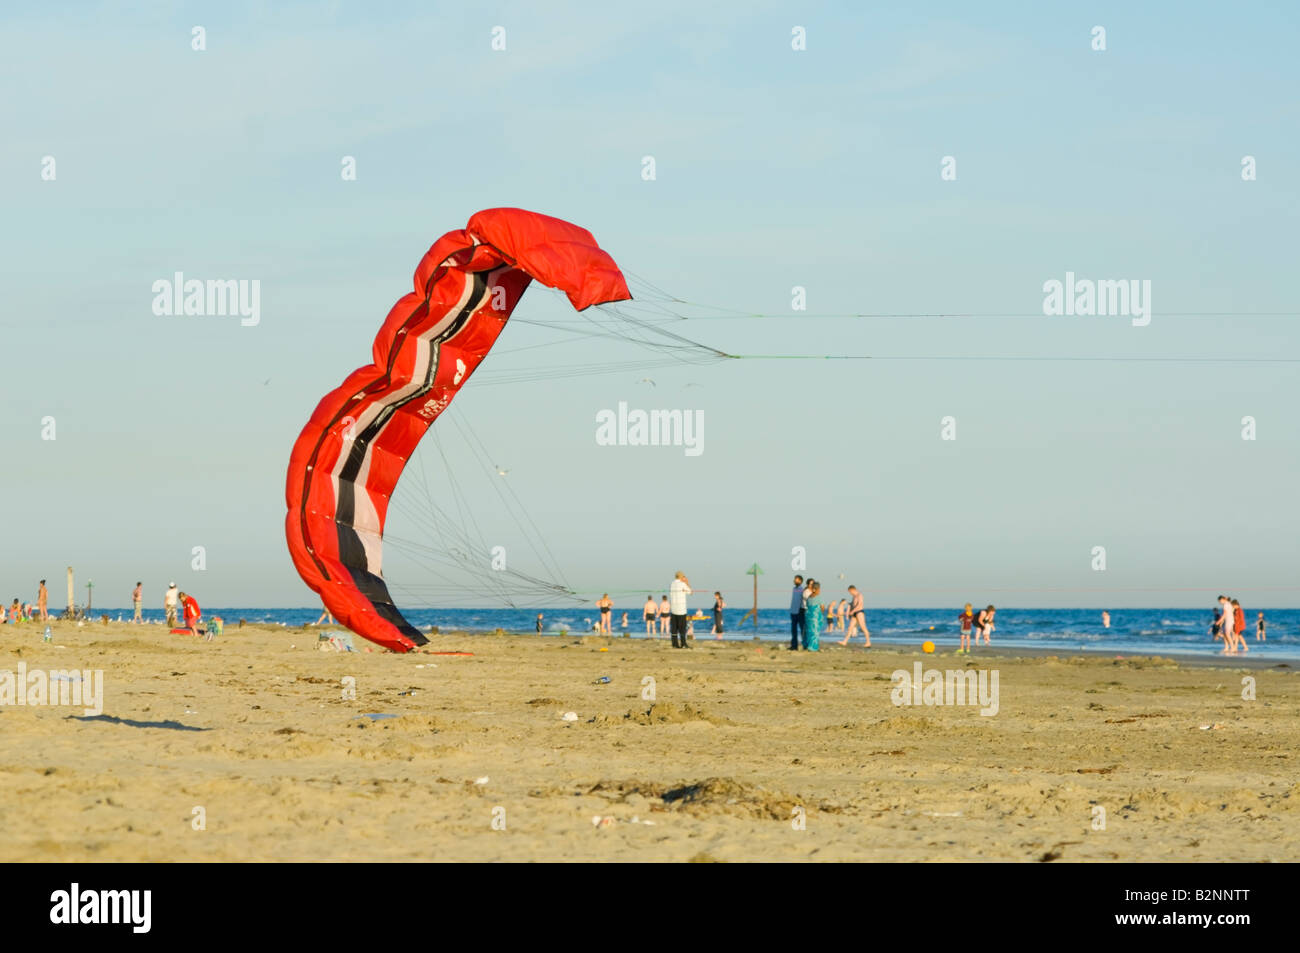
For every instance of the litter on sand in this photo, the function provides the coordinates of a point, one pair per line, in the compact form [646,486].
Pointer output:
[335,642]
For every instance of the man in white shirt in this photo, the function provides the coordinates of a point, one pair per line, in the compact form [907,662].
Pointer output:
[169,604]
[677,593]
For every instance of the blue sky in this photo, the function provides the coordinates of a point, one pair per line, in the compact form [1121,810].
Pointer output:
[775,168]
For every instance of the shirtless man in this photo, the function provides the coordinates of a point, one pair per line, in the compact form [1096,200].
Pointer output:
[665,614]
[1225,626]
[137,602]
[857,617]
[650,610]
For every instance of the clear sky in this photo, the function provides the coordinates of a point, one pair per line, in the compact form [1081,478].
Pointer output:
[775,168]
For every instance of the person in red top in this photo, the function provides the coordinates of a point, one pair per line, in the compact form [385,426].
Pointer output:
[193,614]
[966,618]
[1239,625]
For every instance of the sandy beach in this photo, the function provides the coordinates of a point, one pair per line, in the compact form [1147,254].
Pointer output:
[250,738]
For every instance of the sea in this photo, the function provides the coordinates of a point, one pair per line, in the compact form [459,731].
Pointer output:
[1131,631]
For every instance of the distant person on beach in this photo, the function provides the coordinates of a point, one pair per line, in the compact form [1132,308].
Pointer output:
[984,624]
[325,615]
[798,619]
[1222,627]
[606,606]
[665,614]
[1105,619]
[815,617]
[15,613]
[841,613]
[650,611]
[43,602]
[539,623]
[967,619]
[857,618]
[1259,629]
[170,601]
[1239,625]
[718,605]
[679,590]
[625,623]
[137,602]
[190,608]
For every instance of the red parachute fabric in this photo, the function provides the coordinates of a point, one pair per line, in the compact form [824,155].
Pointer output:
[348,458]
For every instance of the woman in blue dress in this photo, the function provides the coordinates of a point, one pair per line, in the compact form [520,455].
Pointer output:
[816,617]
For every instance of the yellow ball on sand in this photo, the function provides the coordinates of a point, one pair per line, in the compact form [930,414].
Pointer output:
[927,647]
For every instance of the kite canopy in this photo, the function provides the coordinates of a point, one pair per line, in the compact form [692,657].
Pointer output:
[348,458]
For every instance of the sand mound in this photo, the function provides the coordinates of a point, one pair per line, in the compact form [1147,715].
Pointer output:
[710,796]
[668,713]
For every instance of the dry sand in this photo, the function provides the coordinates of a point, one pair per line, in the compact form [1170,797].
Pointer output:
[258,735]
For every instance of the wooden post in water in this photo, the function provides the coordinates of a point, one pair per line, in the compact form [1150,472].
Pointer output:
[755,572]
[72,598]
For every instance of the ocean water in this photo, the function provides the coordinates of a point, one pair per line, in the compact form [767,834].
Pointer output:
[1131,632]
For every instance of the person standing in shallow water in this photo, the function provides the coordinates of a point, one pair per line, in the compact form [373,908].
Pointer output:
[1259,629]
[650,612]
[718,605]
[1222,628]
[665,614]
[606,606]
[1239,625]
[857,617]
[1105,619]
